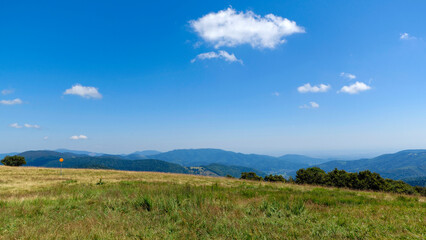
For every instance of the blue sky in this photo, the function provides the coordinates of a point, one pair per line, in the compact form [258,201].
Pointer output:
[117,77]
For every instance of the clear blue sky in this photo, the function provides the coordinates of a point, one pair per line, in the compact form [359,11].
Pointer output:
[153,76]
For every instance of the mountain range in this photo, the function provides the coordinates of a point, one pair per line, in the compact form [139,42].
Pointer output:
[409,165]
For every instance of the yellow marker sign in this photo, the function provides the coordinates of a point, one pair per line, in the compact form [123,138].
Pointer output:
[61,160]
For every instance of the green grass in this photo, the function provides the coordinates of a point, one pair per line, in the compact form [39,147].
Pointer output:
[132,205]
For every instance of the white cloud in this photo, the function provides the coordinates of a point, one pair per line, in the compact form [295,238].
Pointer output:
[347,75]
[314,89]
[45,138]
[7,91]
[31,126]
[82,91]
[276,94]
[220,54]
[15,125]
[11,102]
[310,105]
[355,88]
[231,28]
[26,125]
[78,137]
[406,36]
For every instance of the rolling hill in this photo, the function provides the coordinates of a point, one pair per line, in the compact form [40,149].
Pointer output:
[50,159]
[117,162]
[408,164]
[403,164]
[235,171]
[198,157]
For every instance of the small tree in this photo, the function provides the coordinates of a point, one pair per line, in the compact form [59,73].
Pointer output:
[15,161]
[313,175]
[250,176]
[274,178]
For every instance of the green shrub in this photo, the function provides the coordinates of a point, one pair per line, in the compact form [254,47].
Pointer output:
[364,180]
[275,178]
[250,176]
[312,175]
[15,161]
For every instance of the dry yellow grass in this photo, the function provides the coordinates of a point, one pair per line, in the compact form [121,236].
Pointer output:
[37,203]
[15,180]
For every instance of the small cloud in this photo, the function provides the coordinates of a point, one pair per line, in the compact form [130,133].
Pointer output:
[231,28]
[276,94]
[31,126]
[26,125]
[314,89]
[355,88]
[45,138]
[347,75]
[310,105]
[82,91]
[15,125]
[7,91]
[221,55]
[78,137]
[11,102]
[406,36]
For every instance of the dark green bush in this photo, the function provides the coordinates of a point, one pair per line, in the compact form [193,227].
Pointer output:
[250,176]
[15,161]
[275,178]
[312,175]
[364,180]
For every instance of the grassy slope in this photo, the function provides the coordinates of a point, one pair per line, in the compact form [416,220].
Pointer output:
[36,203]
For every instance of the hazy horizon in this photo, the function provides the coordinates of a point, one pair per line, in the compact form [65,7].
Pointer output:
[332,155]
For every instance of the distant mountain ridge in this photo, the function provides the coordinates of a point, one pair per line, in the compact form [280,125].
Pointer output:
[77,160]
[71,160]
[197,157]
[403,164]
[409,165]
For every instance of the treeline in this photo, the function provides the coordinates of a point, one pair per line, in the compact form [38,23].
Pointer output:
[364,180]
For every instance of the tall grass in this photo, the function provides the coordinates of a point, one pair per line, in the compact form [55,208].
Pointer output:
[218,208]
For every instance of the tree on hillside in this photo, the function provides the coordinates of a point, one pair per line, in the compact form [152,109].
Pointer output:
[250,176]
[275,178]
[338,178]
[312,175]
[15,161]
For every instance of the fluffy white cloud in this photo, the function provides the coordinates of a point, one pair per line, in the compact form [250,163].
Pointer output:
[276,94]
[355,88]
[45,138]
[220,54]
[82,91]
[406,36]
[11,102]
[231,28]
[310,105]
[31,126]
[15,125]
[347,75]
[7,91]
[78,137]
[314,89]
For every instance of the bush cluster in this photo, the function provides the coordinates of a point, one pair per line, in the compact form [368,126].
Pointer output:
[250,176]
[268,178]
[14,161]
[364,180]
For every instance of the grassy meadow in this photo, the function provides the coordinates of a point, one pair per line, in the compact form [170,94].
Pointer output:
[37,203]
